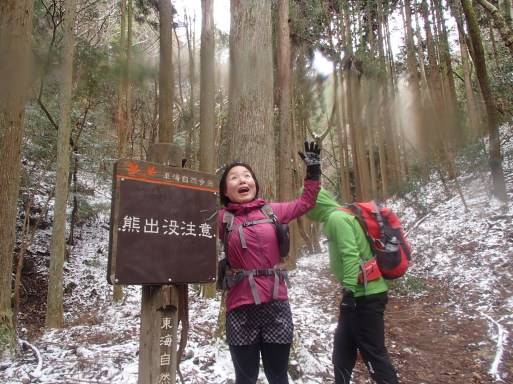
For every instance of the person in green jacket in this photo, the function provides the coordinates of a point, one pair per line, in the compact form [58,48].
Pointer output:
[361,321]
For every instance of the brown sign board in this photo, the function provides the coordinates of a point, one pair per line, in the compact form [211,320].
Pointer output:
[163,225]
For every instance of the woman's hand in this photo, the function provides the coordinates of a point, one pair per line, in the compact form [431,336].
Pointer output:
[312,159]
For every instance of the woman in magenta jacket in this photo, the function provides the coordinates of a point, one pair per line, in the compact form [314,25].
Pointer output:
[258,315]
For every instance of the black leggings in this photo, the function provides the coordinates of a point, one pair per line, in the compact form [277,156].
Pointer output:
[246,360]
[363,330]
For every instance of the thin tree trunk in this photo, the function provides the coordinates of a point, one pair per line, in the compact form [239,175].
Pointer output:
[190,147]
[499,183]
[120,115]
[453,118]
[124,113]
[386,135]
[433,79]
[285,153]
[15,33]
[207,151]
[475,131]
[207,89]
[128,78]
[166,87]
[54,309]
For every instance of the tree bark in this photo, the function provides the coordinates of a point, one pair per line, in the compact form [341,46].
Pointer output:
[286,158]
[166,86]
[15,38]
[54,309]
[207,152]
[498,181]
[190,147]
[207,90]
[251,91]
[475,131]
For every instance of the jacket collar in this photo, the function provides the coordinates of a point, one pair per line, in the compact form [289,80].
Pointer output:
[252,205]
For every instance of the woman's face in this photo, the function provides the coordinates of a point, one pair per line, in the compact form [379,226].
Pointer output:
[240,185]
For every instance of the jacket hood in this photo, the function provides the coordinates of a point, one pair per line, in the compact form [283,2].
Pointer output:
[324,205]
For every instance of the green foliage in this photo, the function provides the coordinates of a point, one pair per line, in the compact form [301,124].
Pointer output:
[502,84]
[89,209]
[473,159]
[93,72]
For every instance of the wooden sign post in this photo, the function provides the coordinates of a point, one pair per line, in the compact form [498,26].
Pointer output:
[163,236]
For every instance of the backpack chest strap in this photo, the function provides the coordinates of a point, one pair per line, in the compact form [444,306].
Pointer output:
[240,227]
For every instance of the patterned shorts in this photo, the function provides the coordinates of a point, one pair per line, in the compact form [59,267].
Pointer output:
[267,322]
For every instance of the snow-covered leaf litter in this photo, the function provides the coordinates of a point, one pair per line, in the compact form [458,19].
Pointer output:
[471,251]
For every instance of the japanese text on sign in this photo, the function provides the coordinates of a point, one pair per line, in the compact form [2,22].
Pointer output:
[167,227]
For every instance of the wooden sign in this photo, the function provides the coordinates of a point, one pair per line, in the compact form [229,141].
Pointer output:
[163,225]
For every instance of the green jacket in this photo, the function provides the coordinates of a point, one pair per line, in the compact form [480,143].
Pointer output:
[347,245]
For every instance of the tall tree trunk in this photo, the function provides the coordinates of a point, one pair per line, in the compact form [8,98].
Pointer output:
[54,308]
[450,99]
[499,183]
[190,147]
[207,90]
[121,126]
[435,92]
[166,88]
[124,113]
[286,159]
[284,102]
[344,183]
[207,150]
[15,34]
[251,91]
[386,134]
[474,130]
[128,76]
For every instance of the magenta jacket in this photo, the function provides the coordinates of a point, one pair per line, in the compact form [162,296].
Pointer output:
[262,250]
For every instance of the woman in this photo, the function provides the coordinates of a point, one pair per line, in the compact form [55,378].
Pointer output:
[258,315]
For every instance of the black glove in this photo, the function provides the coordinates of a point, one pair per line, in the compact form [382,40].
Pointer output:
[348,303]
[312,159]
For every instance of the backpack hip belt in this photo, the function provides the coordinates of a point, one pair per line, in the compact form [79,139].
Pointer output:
[251,273]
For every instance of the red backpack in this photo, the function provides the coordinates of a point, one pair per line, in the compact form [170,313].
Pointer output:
[384,231]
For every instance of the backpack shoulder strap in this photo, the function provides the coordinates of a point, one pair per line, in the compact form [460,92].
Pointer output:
[228,220]
[269,213]
[356,211]
[227,224]
[379,218]
[228,217]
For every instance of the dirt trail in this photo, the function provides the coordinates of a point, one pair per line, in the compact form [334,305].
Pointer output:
[432,343]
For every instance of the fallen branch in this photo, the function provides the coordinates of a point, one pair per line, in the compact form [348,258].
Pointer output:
[502,336]
[204,330]
[417,224]
[37,354]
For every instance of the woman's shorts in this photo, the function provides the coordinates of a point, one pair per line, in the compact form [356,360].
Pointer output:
[267,322]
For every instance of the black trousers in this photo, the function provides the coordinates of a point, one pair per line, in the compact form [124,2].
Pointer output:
[363,330]
[246,360]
